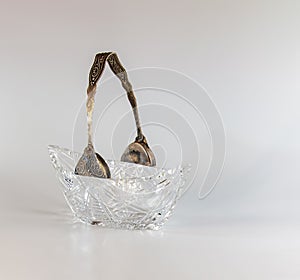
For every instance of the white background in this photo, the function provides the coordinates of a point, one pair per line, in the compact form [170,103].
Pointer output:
[245,53]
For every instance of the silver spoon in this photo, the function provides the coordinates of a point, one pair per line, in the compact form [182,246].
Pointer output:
[137,152]
[91,163]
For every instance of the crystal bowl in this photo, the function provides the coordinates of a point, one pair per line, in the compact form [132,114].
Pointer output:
[136,196]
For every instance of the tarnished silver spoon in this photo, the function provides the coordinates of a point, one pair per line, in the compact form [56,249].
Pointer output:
[137,152]
[91,163]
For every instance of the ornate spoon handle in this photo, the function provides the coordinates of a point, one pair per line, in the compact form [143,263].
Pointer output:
[117,68]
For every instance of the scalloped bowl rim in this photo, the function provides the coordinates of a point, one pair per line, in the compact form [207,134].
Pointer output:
[183,169]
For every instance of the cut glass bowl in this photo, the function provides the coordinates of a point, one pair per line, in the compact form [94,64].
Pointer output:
[136,196]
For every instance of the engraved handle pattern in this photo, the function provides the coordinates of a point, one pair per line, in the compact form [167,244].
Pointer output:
[97,70]
[117,68]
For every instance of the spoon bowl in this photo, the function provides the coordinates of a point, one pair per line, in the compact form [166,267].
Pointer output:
[140,153]
[92,164]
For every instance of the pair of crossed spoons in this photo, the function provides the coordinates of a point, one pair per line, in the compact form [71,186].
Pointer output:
[91,163]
